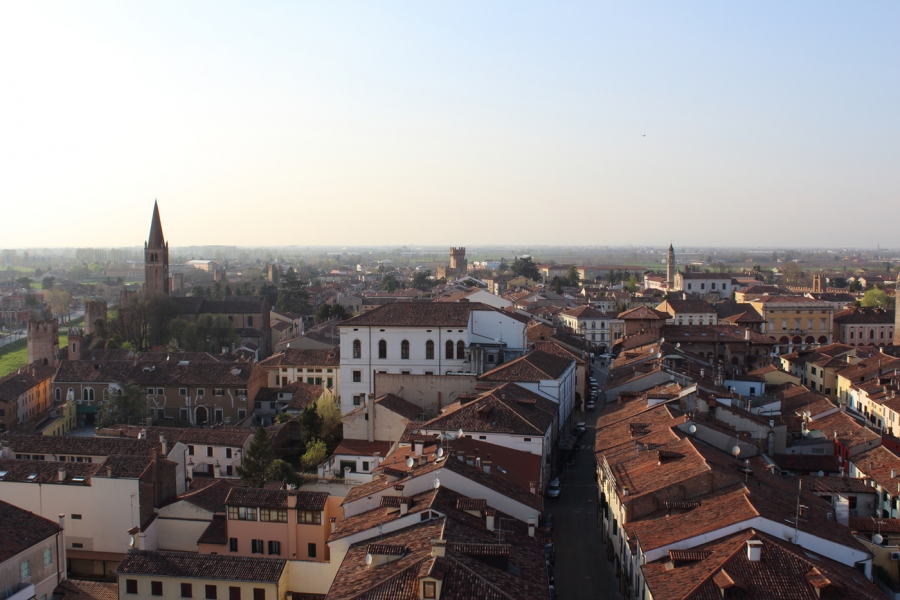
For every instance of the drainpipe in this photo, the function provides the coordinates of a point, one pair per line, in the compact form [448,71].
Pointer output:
[61,552]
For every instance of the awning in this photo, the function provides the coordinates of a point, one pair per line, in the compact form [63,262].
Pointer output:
[86,409]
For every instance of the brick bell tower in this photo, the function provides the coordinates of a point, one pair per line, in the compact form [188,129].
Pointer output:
[897,313]
[156,258]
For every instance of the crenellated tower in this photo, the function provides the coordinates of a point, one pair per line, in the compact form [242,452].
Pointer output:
[43,342]
[156,258]
[458,262]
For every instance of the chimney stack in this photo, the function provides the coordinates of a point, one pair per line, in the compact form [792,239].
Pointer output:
[438,547]
[164,443]
[489,519]
[532,522]
[486,465]
[404,506]
[333,521]
[754,550]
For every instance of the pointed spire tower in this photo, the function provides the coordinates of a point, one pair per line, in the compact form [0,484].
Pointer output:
[156,258]
[670,268]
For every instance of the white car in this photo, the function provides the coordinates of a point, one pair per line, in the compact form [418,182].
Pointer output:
[553,489]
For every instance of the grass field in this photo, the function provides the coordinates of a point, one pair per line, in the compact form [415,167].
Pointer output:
[15,355]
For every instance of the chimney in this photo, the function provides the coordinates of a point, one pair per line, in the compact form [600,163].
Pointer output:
[399,488]
[190,469]
[893,473]
[531,525]
[489,519]
[333,521]
[404,506]
[422,460]
[486,466]
[478,461]
[417,447]
[165,444]
[109,471]
[754,550]
[438,547]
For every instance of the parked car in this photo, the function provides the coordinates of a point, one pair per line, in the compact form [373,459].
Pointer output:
[580,427]
[553,489]
[591,405]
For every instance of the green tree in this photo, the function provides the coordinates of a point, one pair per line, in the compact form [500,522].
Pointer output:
[208,333]
[310,424]
[255,466]
[876,297]
[48,282]
[31,301]
[161,310]
[632,284]
[855,286]
[838,282]
[292,295]
[422,281]
[389,283]
[329,411]
[281,470]
[126,404]
[25,282]
[316,451]
[572,277]
[525,267]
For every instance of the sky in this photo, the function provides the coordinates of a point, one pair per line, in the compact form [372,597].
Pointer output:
[356,123]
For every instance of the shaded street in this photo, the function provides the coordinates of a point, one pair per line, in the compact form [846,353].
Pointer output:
[582,571]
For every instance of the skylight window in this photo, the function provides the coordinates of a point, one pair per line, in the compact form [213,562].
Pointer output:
[32,477]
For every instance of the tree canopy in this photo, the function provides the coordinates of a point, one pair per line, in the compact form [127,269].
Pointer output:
[254,469]
[525,267]
[125,405]
[292,295]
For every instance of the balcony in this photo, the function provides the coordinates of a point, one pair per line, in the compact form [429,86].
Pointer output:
[22,591]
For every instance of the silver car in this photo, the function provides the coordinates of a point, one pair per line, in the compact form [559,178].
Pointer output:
[553,489]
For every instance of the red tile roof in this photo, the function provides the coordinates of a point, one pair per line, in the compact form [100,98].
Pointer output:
[163,563]
[533,367]
[22,530]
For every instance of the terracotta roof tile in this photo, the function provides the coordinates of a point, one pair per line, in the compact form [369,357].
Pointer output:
[224,567]
[22,530]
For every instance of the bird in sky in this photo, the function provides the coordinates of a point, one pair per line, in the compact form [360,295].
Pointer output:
[643,135]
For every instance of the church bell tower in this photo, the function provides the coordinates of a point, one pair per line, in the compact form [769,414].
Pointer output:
[156,258]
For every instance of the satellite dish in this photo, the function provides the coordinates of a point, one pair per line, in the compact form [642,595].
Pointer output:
[437,483]
[821,473]
[736,450]
[410,462]
[368,559]
[440,452]
[459,433]
[877,538]
[671,378]
[692,429]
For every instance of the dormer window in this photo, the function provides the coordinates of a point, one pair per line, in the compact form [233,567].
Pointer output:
[429,589]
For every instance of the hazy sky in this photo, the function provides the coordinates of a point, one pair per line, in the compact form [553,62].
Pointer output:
[450,123]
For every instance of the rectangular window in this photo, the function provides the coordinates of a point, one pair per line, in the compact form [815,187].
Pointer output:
[229,470]
[209,451]
[220,415]
[48,557]
[187,590]
[259,594]
[242,413]
[310,380]
[357,376]
[182,391]
[429,589]
[160,391]
[227,452]
[24,571]
[160,413]
[76,517]
[234,592]
[149,391]
[156,588]
[77,545]
[232,544]
[311,550]
[190,450]
[273,515]
[275,546]
[131,586]
[309,517]
[211,592]
[256,546]
[357,400]
[242,513]
[250,321]
[201,392]
[183,414]
[218,392]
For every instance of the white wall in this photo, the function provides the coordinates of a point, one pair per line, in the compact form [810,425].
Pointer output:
[108,509]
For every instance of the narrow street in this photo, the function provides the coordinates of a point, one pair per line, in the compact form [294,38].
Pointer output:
[582,571]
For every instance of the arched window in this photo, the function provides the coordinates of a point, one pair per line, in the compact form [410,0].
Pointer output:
[449,350]
[357,349]
[106,394]
[84,394]
[404,350]
[382,349]
[460,350]
[429,350]
[91,394]
[58,394]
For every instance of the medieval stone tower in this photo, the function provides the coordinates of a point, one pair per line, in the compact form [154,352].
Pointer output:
[94,317]
[43,342]
[897,313]
[76,344]
[274,274]
[458,263]
[670,268]
[156,258]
